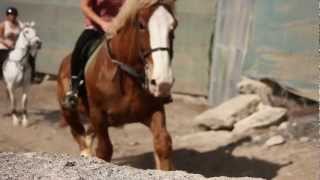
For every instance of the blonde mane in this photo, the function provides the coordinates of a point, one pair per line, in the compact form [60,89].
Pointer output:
[129,10]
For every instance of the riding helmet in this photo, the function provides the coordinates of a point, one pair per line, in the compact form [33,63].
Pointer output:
[12,11]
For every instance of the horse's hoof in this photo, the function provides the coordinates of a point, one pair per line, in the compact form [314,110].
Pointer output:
[15,121]
[25,123]
[86,153]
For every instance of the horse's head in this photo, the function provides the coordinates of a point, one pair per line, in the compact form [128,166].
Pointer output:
[156,25]
[30,36]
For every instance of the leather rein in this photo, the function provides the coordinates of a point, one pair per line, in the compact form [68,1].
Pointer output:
[140,77]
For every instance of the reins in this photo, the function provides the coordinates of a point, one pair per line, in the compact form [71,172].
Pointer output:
[124,67]
[27,53]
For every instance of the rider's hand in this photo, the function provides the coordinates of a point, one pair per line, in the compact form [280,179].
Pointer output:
[108,29]
[8,44]
[105,26]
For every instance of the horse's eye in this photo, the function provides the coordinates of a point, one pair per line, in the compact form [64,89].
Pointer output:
[141,24]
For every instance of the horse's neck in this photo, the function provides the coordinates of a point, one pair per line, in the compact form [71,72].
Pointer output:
[20,49]
[124,46]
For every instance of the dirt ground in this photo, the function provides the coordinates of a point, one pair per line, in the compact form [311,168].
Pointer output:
[294,160]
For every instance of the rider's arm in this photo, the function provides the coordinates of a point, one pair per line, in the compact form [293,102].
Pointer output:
[2,39]
[2,33]
[128,9]
[86,8]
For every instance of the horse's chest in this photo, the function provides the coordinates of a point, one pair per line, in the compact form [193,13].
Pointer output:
[128,111]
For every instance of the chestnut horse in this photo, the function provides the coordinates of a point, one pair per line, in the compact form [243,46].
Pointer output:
[129,80]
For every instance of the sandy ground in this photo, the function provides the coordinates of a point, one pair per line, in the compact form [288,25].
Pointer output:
[295,160]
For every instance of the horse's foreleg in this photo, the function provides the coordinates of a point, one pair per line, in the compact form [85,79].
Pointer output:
[24,98]
[24,102]
[12,98]
[77,130]
[90,137]
[161,140]
[104,148]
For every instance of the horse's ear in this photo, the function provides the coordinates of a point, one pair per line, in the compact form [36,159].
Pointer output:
[32,24]
[23,25]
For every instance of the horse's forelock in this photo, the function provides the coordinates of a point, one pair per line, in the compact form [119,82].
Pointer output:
[132,8]
[28,25]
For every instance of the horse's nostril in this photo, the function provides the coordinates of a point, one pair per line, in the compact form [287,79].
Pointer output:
[153,82]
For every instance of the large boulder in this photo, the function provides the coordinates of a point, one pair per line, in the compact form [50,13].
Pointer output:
[228,113]
[249,86]
[266,116]
[46,166]
[276,140]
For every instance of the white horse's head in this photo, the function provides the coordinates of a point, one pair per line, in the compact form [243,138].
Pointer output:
[30,37]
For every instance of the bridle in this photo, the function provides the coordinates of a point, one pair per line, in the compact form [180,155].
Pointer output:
[24,58]
[143,55]
[27,39]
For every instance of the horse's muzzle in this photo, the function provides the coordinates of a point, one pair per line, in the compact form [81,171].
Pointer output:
[39,44]
[162,89]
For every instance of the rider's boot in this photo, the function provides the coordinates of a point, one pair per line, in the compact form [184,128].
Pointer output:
[33,69]
[71,98]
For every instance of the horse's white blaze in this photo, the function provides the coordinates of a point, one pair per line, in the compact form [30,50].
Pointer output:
[160,24]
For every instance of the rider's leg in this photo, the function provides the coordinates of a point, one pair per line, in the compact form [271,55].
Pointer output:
[77,60]
[32,61]
[77,64]
[3,56]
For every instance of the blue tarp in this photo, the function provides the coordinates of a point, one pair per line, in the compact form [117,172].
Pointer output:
[283,45]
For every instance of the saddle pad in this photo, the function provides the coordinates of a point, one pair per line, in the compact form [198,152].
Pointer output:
[94,51]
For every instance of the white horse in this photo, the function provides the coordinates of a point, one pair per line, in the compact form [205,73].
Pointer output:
[17,69]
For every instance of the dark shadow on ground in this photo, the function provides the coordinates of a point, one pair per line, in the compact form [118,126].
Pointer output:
[219,162]
[39,115]
[44,115]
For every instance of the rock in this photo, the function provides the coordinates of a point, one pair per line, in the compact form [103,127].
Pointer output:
[256,138]
[205,141]
[283,126]
[249,86]
[228,113]
[276,140]
[304,139]
[65,167]
[265,117]
[190,99]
